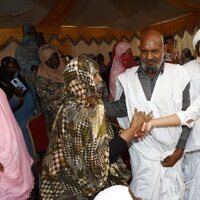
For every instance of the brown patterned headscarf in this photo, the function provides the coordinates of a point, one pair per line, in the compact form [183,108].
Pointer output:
[78,78]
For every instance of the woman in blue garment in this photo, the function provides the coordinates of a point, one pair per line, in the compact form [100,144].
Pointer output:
[27,56]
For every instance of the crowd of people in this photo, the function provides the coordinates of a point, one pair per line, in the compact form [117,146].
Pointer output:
[126,130]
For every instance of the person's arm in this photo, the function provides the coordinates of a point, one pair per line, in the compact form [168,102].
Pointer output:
[171,160]
[170,120]
[116,108]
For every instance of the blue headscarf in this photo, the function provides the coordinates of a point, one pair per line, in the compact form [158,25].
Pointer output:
[26,39]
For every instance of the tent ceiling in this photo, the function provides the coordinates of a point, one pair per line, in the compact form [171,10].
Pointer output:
[132,15]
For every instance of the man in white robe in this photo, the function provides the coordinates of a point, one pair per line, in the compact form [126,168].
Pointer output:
[164,89]
[192,156]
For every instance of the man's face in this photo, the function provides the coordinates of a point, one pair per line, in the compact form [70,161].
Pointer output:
[151,52]
[170,44]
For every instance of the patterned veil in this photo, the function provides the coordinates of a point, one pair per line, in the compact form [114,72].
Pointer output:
[77,164]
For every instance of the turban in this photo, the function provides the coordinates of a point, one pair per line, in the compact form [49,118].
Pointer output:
[196,38]
[117,192]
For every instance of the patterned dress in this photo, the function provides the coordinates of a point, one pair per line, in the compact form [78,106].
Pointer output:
[51,96]
[77,164]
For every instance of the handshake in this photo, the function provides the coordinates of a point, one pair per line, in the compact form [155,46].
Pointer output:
[141,123]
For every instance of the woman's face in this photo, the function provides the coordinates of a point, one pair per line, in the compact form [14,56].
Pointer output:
[128,52]
[54,61]
[12,67]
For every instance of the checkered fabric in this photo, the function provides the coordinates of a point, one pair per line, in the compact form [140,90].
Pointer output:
[76,165]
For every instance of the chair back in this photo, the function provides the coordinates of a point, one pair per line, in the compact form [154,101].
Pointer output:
[38,134]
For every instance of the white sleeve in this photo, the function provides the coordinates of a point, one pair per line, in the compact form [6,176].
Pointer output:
[195,106]
[192,113]
[187,118]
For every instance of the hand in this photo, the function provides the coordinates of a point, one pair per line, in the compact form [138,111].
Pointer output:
[92,100]
[138,120]
[174,54]
[171,160]
[18,92]
[147,126]
[134,131]
[1,168]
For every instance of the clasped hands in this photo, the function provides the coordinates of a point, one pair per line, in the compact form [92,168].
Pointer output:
[141,125]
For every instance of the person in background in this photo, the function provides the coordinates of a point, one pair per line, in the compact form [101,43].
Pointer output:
[16,179]
[21,102]
[123,60]
[192,155]
[186,56]
[110,59]
[27,56]
[83,156]
[104,70]
[27,51]
[102,65]
[171,53]
[10,71]
[50,83]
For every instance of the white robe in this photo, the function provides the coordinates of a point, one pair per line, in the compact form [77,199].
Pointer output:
[148,174]
[193,69]
[192,156]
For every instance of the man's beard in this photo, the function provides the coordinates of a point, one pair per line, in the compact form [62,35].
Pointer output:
[151,69]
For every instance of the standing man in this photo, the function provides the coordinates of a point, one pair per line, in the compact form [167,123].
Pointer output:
[192,156]
[164,89]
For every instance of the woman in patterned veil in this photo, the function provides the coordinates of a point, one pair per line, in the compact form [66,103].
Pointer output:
[80,160]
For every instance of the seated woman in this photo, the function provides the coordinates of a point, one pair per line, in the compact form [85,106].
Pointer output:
[16,180]
[50,82]
[20,99]
[83,156]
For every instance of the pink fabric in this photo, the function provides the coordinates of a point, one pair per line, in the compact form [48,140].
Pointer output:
[117,67]
[16,181]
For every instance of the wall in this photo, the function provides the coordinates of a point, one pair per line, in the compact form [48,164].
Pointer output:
[10,39]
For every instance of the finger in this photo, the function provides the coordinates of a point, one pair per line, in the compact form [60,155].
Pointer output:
[166,159]
[135,111]
[144,127]
[149,116]
[140,134]
[144,116]
[168,163]
[165,164]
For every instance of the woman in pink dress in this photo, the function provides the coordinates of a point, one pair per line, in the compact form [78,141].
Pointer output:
[16,179]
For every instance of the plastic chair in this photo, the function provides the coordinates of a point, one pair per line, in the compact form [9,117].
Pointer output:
[38,133]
